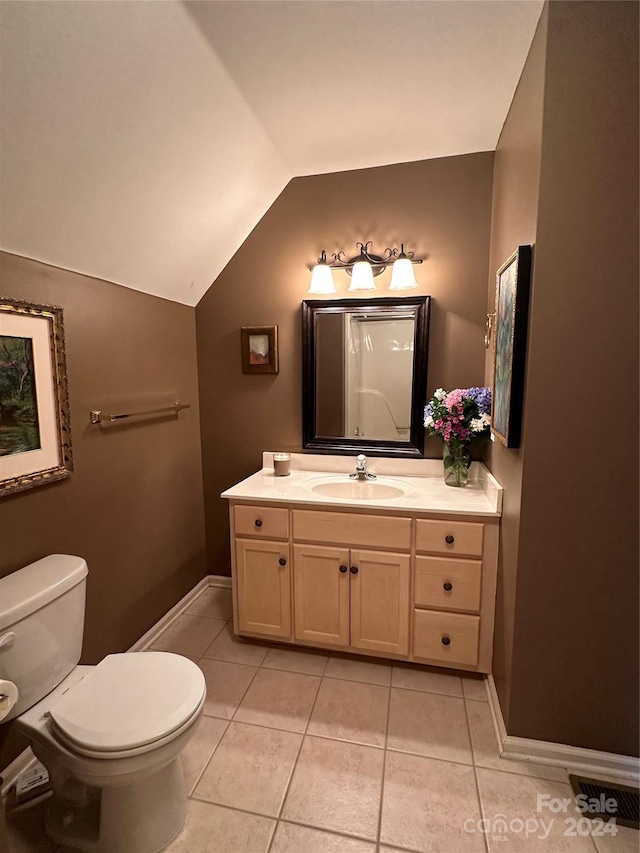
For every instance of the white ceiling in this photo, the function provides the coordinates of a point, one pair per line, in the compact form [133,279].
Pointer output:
[142,141]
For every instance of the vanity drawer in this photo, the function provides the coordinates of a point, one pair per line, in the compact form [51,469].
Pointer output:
[267,522]
[432,630]
[448,584]
[453,538]
[341,528]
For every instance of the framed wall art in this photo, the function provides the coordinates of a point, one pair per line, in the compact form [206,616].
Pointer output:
[510,345]
[35,434]
[259,349]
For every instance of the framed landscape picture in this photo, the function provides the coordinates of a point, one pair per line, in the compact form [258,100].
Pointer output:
[259,349]
[510,345]
[35,435]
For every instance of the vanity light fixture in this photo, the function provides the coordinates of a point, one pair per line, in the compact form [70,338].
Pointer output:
[402,275]
[321,277]
[362,268]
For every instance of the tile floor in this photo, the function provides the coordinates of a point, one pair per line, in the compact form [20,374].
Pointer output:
[326,753]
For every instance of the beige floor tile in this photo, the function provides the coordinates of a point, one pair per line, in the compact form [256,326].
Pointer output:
[485,748]
[425,804]
[352,711]
[291,838]
[382,848]
[200,748]
[336,786]
[514,799]
[189,635]
[281,700]
[25,827]
[226,685]
[624,841]
[215,602]
[429,724]
[293,660]
[213,828]
[250,769]
[474,688]
[358,669]
[412,677]
[233,649]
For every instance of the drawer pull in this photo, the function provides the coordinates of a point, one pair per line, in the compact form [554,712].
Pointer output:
[449,539]
[258,522]
[282,561]
[448,586]
[354,570]
[343,569]
[446,641]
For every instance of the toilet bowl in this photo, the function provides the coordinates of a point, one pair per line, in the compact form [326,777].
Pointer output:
[110,735]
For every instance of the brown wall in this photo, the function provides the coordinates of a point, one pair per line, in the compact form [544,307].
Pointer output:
[566,179]
[133,508]
[440,208]
[516,180]
[576,621]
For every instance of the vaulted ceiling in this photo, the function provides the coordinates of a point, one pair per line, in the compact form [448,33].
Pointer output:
[142,141]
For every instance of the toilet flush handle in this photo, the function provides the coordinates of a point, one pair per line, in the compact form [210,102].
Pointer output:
[7,640]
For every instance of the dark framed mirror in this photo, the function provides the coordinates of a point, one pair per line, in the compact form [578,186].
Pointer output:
[364,375]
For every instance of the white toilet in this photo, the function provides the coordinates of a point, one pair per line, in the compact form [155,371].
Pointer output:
[110,735]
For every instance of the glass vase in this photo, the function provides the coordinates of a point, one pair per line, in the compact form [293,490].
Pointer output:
[456,457]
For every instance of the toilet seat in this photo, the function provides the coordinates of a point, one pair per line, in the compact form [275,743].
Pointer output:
[129,704]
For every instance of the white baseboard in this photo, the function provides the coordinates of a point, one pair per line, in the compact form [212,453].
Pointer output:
[178,609]
[590,762]
[26,758]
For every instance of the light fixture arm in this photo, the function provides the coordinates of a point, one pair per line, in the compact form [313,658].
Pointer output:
[379,264]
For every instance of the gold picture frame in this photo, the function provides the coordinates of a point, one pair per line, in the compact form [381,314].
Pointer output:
[35,428]
[259,349]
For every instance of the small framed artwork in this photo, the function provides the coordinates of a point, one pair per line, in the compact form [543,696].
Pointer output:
[35,433]
[510,346]
[259,349]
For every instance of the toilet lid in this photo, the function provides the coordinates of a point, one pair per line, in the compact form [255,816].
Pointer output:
[130,700]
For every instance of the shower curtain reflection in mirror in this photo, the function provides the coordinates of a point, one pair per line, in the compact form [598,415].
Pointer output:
[365,375]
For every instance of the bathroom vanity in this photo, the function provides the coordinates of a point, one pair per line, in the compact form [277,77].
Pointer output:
[400,567]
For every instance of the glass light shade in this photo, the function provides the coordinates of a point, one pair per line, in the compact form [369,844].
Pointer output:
[322,280]
[362,277]
[402,276]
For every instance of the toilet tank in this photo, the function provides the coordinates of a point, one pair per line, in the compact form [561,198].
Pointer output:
[41,626]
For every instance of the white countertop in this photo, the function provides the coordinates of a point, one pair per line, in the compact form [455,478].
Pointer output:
[421,480]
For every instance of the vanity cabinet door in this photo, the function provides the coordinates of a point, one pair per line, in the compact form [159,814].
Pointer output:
[321,594]
[263,578]
[380,601]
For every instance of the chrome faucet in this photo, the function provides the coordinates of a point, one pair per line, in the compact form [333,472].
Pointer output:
[361,472]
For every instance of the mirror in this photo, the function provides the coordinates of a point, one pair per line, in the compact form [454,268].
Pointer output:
[365,375]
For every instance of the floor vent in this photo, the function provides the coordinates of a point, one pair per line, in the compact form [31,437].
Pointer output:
[626,809]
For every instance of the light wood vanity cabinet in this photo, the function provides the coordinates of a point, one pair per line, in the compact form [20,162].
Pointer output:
[321,581]
[412,588]
[380,602]
[263,583]
[454,592]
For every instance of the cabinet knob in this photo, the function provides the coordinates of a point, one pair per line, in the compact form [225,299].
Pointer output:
[448,586]
[446,641]
[258,522]
[343,569]
[449,539]
[354,570]
[282,561]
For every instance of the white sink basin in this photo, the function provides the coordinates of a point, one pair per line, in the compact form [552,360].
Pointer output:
[381,489]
